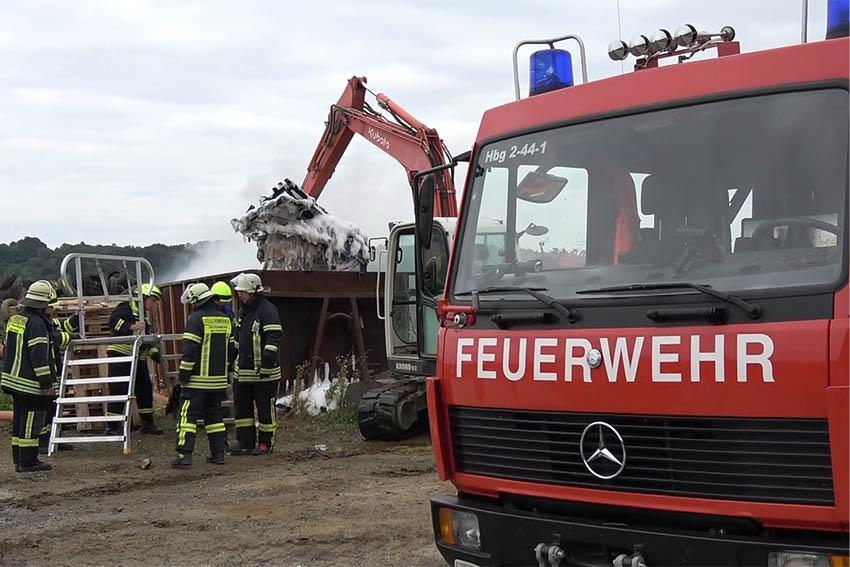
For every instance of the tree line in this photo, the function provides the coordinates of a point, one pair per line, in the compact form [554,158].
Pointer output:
[31,259]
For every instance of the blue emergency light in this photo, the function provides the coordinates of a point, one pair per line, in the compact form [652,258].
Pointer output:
[837,18]
[550,69]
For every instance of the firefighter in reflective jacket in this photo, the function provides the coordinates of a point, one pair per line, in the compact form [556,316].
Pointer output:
[223,297]
[258,332]
[62,331]
[28,375]
[124,321]
[208,351]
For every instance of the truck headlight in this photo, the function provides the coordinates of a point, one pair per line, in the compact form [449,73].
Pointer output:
[798,559]
[460,528]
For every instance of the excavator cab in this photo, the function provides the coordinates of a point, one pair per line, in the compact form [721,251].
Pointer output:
[405,352]
[398,408]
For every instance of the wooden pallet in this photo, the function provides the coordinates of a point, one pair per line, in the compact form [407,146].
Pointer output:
[96,314]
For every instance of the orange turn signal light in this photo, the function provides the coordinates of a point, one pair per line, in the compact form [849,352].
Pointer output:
[446,533]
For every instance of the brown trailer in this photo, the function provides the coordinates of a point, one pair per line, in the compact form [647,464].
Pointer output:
[324,315]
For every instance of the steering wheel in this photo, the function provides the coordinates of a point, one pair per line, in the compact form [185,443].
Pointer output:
[794,224]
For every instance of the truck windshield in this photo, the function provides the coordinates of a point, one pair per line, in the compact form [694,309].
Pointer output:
[742,195]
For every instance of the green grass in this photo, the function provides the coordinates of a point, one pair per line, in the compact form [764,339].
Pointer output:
[5,401]
[342,419]
[326,427]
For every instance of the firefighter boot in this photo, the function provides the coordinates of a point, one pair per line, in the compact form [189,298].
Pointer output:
[216,458]
[28,461]
[182,461]
[149,427]
[218,445]
[236,450]
[261,449]
[16,455]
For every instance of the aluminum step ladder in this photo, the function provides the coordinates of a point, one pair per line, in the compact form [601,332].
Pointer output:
[67,382]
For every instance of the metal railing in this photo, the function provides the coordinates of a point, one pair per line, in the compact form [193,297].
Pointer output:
[77,259]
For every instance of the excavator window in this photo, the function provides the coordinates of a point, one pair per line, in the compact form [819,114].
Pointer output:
[403,307]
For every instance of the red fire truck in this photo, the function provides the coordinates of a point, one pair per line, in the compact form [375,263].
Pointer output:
[661,376]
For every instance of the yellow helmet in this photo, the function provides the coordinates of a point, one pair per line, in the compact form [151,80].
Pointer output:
[222,291]
[151,291]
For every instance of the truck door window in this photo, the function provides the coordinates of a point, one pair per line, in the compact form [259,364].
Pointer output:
[436,260]
[438,255]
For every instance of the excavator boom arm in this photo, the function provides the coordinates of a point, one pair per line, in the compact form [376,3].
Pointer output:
[415,146]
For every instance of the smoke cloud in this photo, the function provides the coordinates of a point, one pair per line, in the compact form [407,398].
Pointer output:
[216,257]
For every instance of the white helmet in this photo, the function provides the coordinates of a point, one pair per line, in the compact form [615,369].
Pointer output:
[196,293]
[199,292]
[250,283]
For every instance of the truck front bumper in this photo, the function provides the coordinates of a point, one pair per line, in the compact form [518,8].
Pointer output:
[511,536]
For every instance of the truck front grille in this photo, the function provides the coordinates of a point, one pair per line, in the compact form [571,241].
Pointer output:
[761,460]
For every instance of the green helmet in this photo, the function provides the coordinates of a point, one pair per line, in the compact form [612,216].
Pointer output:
[198,292]
[222,291]
[39,295]
[151,291]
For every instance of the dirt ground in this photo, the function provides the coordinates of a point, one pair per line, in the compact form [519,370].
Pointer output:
[349,502]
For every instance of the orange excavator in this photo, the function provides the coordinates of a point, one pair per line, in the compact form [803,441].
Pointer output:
[397,408]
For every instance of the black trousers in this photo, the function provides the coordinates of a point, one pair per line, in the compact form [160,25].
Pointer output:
[195,405]
[246,395]
[29,414]
[143,389]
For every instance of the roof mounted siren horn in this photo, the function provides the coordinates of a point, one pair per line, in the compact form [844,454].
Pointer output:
[837,18]
[550,69]
[685,43]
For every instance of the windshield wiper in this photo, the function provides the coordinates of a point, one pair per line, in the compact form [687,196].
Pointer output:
[753,310]
[535,292]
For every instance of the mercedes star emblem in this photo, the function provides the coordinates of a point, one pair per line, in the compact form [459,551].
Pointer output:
[603,451]
[593,358]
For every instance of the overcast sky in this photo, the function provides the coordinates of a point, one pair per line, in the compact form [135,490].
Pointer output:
[138,122]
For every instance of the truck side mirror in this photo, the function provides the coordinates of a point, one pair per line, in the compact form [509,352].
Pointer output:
[429,277]
[425,210]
